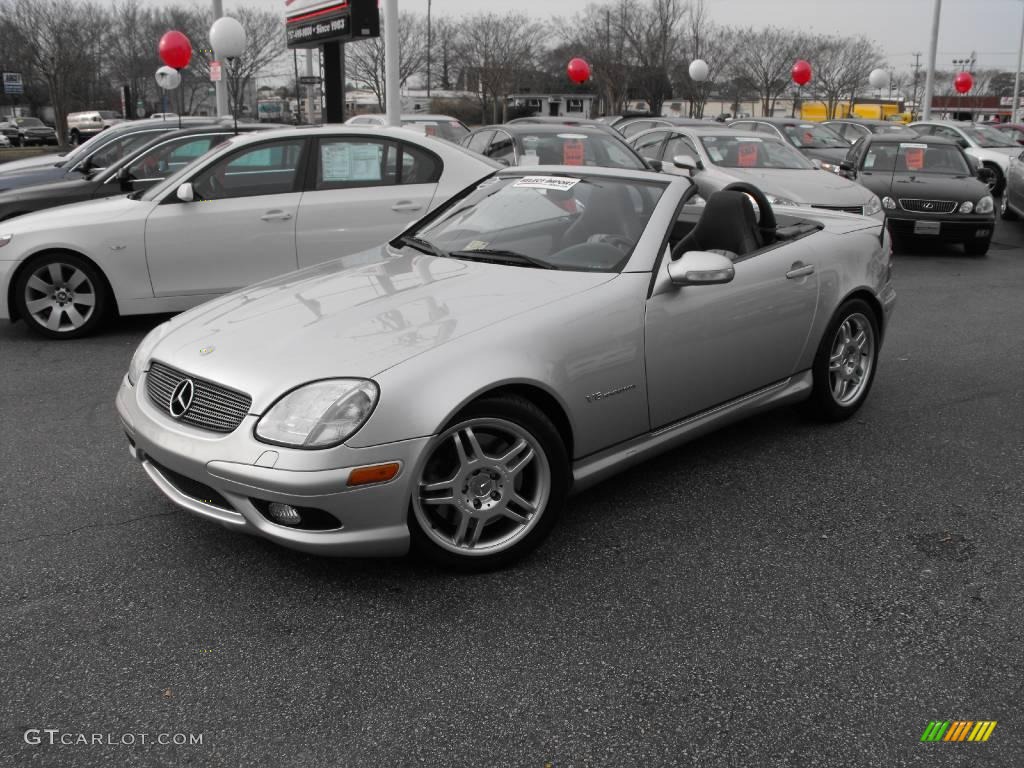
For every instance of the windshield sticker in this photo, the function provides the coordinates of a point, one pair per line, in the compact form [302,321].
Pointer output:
[572,153]
[914,158]
[748,138]
[577,136]
[557,183]
[913,146]
[476,245]
[747,155]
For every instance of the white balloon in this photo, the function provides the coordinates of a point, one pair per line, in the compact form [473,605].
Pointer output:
[168,78]
[878,78]
[227,36]
[698,70]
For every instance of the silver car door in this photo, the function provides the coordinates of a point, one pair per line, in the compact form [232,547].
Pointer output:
[364,191]
[706,345]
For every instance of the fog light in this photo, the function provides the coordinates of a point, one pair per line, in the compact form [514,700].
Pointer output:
[285,514]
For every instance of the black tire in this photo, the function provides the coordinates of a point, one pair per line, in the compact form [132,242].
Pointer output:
[1005,212]
[443,519]
[1000,183]
[73,138]
[70,296]
[823,404]
[977,247]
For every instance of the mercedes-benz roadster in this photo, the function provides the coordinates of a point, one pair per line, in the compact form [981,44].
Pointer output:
[531,337]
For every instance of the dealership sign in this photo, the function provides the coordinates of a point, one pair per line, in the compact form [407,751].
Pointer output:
[311,24]
[12,83]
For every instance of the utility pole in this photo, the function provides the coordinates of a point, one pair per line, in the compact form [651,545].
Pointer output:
[929,81]
[1015,110]
[392,97]
[429,47]
[917,78]
[220,86]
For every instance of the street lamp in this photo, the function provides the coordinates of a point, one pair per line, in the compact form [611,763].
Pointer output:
[1015,110]
[227,36]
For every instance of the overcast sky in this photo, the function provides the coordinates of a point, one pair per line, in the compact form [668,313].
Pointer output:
[991,28]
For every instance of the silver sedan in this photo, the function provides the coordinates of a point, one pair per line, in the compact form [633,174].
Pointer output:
[530,338]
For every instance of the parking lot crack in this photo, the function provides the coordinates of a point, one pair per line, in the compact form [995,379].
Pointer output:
[73,531]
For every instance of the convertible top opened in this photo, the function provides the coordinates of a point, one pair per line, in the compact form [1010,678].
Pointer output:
[539,332]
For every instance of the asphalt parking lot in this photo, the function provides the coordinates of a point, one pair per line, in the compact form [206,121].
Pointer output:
[777,594]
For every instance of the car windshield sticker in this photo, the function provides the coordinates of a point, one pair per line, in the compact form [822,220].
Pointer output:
[748,138]
[904,145]
[747,156]
[475,245]
[869,161]
[572,152]
[914,158]
[558,183]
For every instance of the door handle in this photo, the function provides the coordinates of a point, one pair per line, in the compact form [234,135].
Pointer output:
[276,215]
[404,206]
[799,270]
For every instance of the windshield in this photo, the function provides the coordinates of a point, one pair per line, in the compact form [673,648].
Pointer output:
[29,122]
[750,152]
[572,148]
[940,159]
[452,130]
[576,223]
[988,137]
[182,176]
[811,136]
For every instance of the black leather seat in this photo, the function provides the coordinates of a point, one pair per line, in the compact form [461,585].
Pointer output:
[727,224]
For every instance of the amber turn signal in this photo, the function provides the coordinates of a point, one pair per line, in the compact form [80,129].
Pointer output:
[379,473]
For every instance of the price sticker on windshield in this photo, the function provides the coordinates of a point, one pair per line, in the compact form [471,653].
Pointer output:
[914,158]
[746,155]
[573,152]
[557,183]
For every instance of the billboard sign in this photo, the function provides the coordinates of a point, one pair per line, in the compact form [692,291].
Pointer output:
[13,86]
[311,24]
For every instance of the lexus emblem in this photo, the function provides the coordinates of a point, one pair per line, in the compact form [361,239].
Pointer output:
[181,398]
[929,206]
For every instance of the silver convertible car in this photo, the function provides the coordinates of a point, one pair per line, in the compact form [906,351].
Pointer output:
[531,337]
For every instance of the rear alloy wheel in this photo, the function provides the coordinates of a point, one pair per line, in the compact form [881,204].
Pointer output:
[977,247]
[61,296]
[1004,207]
[491,486]
[844,367]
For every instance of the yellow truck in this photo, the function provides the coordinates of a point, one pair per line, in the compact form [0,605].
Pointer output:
[816,111]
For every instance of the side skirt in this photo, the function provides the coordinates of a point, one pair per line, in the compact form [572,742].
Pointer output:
[600,466]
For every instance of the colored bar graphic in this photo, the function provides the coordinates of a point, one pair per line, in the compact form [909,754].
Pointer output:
[958,730]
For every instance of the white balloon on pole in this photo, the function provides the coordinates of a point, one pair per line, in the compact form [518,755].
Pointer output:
[698,70]
[227,36]
[878,78]
[168,78]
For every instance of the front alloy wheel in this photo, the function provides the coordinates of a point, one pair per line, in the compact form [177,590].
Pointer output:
[490,487]
[844,366]
[61,296]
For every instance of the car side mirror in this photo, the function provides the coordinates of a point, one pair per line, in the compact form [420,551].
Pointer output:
[986,175]
[655,165]
[846,169]
[701,268]
[185,193]
[964,143]
[502,161]
[124,179]
[686,162]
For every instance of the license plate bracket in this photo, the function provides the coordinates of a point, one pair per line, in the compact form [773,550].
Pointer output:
[927,227]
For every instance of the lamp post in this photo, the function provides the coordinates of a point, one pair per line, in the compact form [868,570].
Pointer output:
[220,86]
[929,80]
[227,36]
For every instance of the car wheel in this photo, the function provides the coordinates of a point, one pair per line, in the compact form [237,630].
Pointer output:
[844,366]
[1004,207]
[977,247]
[490,487]
[61,296]
[74,138]
[998,183]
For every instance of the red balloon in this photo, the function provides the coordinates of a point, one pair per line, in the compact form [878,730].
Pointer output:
[579,71]
[175,50]
[963,82]
[801,72]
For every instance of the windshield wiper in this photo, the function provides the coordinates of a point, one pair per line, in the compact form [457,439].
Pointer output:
[502,257]
[424,246]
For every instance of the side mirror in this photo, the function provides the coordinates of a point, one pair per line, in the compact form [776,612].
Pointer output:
[185,193]
[816,162]
[701,268]
[686,162]
[846,169]
[655,165]
[124,179]
[963,143]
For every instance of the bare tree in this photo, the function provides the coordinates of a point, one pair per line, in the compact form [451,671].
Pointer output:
[762,62]
[499,50]
[265,45]
[652,32]
[599,33]
[841,67]
[364,60]
[702,39]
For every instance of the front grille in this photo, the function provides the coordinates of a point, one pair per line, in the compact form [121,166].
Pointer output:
[191,488]
[927,206]
[214,407]
[858,209]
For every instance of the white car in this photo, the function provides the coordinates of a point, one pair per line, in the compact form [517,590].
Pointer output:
[992,148]
[442,126]
[255,207]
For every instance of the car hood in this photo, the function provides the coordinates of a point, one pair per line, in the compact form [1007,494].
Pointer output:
[38,161]
[806,187]
[925,186]
[29,176]
[332,320]
[56,191]
[90,212]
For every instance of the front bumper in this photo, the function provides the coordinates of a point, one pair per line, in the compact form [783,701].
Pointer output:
[961,229]
[244,475]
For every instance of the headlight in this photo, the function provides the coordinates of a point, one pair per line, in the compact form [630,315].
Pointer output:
[830,167]
[985,205]
[5,239]
[888,203]
[774,200]
[966,207]
[143,351]
[874,206]
[319,415]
